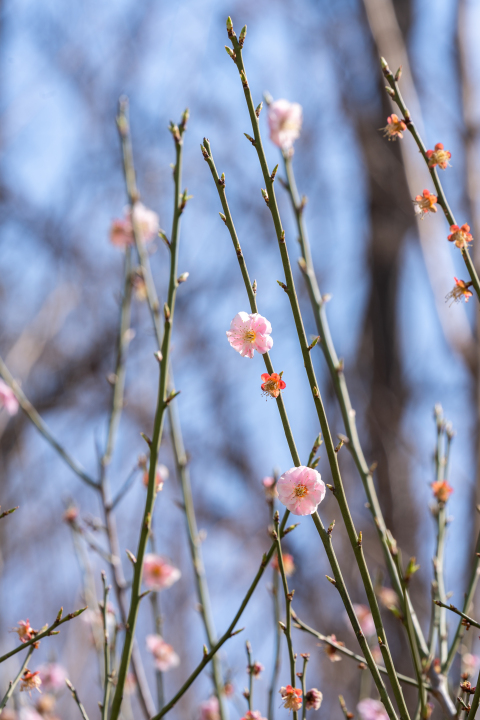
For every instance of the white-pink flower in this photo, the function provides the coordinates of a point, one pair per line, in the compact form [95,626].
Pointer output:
[370,709]
[52,676]
[284,122]
[8,399]
[365,618]
[158,574]
[165,657]
[209,709]
[121,230]
[301,489]
[249,333]
[470,663]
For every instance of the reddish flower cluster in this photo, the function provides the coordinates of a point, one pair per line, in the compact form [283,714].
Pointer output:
[461,236]
[439,157]
[425,203]
[272,384]
[292,698]
[442,490]
[460,290]
[395,127]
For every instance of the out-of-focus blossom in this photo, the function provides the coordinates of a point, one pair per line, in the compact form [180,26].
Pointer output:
[53,677]
[139,286]
[45,705]
[164,655]
[470,663]
[365,618]
[27,712]
[130,684]
[249,333]
[460,290]
[332,652]
[253,715]
[301,489]
[71,514]
[394,127]
[377,655]
[270,487]
[442,490]
[370,709]
[292,697]
[8,399]
[158,574]
[461,236]
[288,564]
[439,157]
[229,689]
[272,384]
[388,597]
[30,681]
[24,630]
[313,699]
[162,475]
[9,714]
[284,122]
[94,618]
[210,709]
[121,230]
[256,669]
[425,203]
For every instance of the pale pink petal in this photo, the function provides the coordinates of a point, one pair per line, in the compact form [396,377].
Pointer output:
[370,709]
[301,490]
[285,122]
[249,333]
[8,399]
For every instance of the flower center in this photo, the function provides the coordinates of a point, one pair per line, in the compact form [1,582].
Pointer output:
[300,491]
[250,336]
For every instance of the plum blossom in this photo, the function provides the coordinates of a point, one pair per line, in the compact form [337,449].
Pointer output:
[24,630]
[442,490]
[272,384]
[332,652]
[284,122]
[388,597]
[425,203]
[162,475]
[270,487]
[461,236]
[301,489]
[365,618]
[248,333]
[439,157]
[461,289]
[30,681]
[210,709]
[370,709]
[121,230]
[165,657]
[292,697]
[8,399]
[313,699]
[53,677]
[158,574]
[470,663]
[253,715]
[394,127]
[288,564]
[256,669]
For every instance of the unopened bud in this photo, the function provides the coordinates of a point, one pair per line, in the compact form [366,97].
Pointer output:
[182,277]
[389,91]
[398,74]
[243,78]
[265,196]
[223,217]
[230,53]
[242,36]
[274,172]
[258,110]
[230,30]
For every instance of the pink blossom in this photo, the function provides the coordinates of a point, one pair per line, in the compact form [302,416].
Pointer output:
[256,669]
[164,655]
[313,699]
[121,230]
[157,573]
[270,488]
[365,619]
[284,122]
[27,712]
[210,709]
[52,676]
[8,399]
[301,489]
[24,630]
[248,333]
[470,663]
[370,709]
[253,715]
[292,698]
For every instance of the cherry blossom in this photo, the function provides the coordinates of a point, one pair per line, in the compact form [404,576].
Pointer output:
[284,122]
[165,657]
[158,574]
[301,489]
[249,333]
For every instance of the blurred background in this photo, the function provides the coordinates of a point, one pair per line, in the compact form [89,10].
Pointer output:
[404,347]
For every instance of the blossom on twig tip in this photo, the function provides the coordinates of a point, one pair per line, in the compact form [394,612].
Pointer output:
[459,291]
[284,122]
[158,574]
[425,203]
[439,157]
[461,236]
[442,490]
[8,399]
[394,127]
[250,332]
[272,384]
[164,656]
[301,490]
[292,697]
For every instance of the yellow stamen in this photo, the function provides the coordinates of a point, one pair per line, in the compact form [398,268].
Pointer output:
[300,490]
[250,335]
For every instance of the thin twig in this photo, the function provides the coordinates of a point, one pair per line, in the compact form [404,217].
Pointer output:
[277,655]
[106,650]
[469,620]
[13,683]
[77,699]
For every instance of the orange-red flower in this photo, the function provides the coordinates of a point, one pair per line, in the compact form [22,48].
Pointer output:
[425,203]
[272,384]
[439,157]
[395,127]
[460,290]
[442,490]
[460,236]
[288,564]
[292,698]
[30,681]
[24,630]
